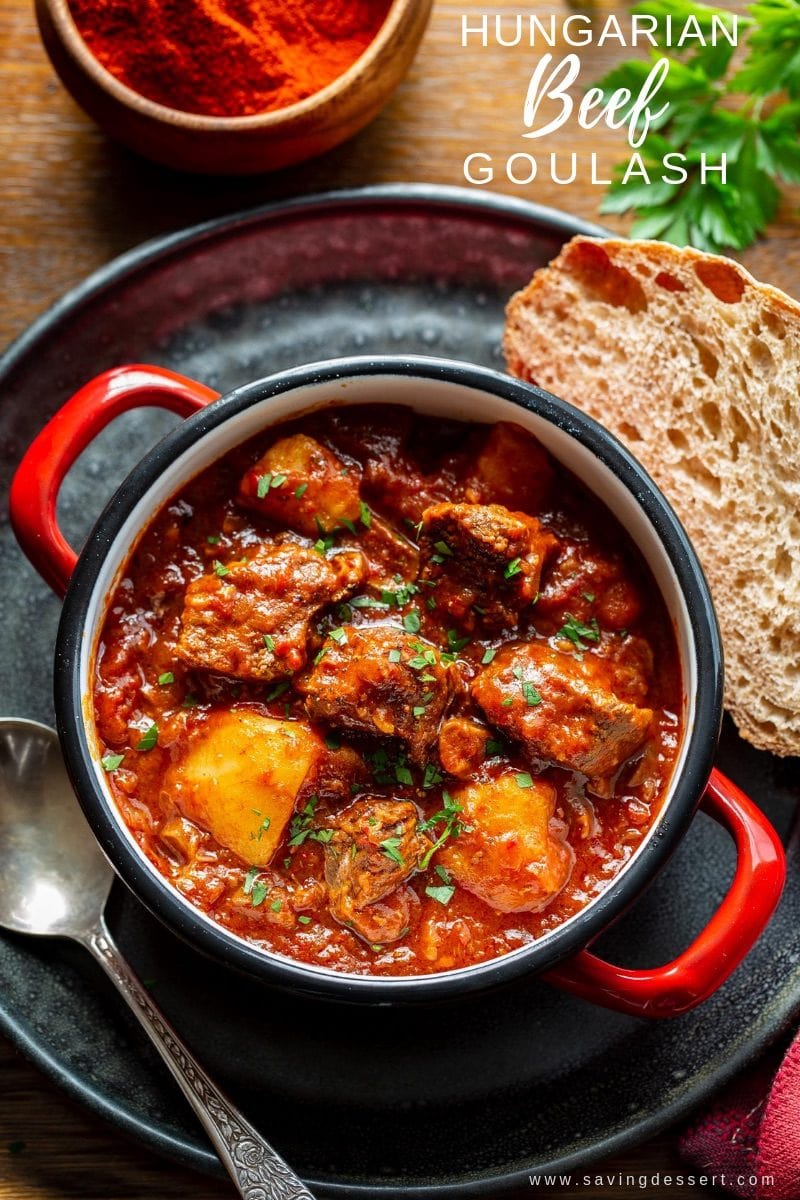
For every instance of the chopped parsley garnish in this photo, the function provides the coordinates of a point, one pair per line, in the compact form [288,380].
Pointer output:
[220,569]
[443,548]
[276,906]
[403,775]
[258,894]
[394,656]
[530,693]
[269,642]
[165,678]
[456,643]
[301,828]
[318,657]
[265,482]
[588,596]
[443,893]
[513,568]
[365,514]
[111,761]
[250,879]
[300,491]
[578,633]
[391,848]
[431,777]
[149,738]
[524,780]
[304,920]
[278,690]
[338,635]
[348,524]
[190,700]
[262,829]
[411,621]
[213,539]
[494,747]
[453,826]
[487,657]
[367,602]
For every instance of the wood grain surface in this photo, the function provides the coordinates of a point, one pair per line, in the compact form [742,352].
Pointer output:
[69,201]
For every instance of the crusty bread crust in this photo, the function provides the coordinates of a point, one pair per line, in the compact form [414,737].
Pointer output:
[696,367]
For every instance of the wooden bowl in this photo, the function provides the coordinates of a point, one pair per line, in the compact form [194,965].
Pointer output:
[236,145]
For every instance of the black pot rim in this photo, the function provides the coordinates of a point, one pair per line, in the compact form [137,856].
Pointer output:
[218,943]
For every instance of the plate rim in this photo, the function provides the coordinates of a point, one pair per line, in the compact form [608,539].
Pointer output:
[195,1154]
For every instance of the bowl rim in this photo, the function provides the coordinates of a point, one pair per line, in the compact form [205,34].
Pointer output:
[398,14]
[564,941]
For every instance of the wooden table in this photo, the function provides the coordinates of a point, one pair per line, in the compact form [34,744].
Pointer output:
[69,201]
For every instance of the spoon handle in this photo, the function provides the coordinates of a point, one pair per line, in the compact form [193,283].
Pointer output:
[257,1170]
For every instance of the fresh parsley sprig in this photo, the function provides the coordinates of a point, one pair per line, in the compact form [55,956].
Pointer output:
[750,113]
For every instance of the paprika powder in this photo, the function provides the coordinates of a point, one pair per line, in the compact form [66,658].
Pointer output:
[227,58]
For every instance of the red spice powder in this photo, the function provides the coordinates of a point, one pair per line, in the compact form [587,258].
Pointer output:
[227,58]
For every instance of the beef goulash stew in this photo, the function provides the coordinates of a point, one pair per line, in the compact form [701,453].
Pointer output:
[387,694]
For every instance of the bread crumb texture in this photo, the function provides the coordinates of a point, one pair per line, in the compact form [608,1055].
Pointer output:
[696,367]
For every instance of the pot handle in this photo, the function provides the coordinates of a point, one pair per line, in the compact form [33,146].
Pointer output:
[696,973]
[38,479]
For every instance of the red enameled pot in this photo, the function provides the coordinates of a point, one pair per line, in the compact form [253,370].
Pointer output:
[212,427]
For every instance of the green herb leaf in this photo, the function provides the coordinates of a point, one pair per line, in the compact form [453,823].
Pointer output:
[524,780]
[394,656]
[304,920]
[250,879]
[258,894]
[366,514]
[513,568]
[411,621]
[391,848]
[149,738]
[111,761]
[578,633]
[166,678]
[443,894]
[263,486]
[338,635]
[530,693]
[269,642]
[487,657]
[277,690]
[300,491]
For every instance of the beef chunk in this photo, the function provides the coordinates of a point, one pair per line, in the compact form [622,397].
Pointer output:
[380,680]
[374,848]
[462,746]
[301,485]
[512,853]
[274,596]
[561,708]
[485,555]
[511,468]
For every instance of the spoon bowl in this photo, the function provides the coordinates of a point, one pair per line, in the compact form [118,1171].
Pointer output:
[55,879]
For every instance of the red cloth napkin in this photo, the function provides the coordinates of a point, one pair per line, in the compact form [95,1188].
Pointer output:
[752,1135]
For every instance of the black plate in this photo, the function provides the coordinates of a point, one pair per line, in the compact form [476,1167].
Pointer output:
[453,1100]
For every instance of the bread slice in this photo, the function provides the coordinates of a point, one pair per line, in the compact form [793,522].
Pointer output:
[696,367]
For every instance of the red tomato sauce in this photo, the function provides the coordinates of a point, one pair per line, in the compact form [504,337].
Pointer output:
[595,612]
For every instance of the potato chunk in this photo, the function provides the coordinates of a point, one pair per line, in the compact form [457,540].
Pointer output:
[561,708]
[240,778]
[512,469]
[512,853]
[301,485]
[252,620]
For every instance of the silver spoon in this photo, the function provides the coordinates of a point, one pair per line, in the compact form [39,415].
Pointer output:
[55,881]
